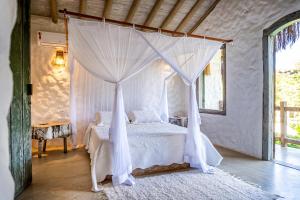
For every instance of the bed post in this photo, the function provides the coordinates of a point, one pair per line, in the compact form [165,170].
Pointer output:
[95,187]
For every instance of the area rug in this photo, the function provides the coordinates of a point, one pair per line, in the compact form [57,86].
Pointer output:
[190,185]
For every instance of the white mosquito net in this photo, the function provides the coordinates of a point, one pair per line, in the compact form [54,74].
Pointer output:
[120,56]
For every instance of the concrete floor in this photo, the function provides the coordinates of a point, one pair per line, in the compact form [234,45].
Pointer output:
[67,176]
[288,156]
[271,177]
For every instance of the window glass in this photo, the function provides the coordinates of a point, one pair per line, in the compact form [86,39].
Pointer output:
[211,85]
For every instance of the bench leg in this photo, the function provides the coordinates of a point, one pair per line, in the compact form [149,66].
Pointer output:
[40,147]
[45,146]
[65,145]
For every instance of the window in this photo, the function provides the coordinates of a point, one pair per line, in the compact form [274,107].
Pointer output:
[211,85]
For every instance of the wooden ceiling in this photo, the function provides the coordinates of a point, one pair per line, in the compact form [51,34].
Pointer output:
[178,15]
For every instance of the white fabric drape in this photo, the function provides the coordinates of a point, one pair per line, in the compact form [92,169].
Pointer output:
[90,94]
[114,54]
[164,106]
[188,57]
[73,113]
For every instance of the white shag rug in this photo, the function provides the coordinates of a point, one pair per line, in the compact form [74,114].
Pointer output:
[190,185]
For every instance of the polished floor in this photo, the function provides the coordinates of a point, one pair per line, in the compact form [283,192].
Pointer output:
[287,156]
[67,176]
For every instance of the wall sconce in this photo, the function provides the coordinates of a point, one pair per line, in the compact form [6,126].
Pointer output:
[207,70]
[59,59]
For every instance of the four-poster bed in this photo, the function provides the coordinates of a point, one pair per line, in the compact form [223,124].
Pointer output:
[117,54]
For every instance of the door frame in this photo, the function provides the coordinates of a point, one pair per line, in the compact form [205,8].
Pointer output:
[269,84]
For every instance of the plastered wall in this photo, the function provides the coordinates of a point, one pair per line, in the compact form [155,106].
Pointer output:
[244,22]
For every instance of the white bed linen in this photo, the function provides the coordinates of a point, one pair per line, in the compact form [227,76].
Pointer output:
[149,143]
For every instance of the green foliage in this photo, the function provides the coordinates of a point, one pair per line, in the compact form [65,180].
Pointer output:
[288,89]
[297,146]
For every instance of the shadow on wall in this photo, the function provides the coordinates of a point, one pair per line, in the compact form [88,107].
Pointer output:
[51,83]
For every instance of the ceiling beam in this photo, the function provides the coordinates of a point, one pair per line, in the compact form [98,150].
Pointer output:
[53,7]
[82,6]
[153,12]
[189,15]
[107,8]
[171,15]
[205,15]
[141,27]
[134,6]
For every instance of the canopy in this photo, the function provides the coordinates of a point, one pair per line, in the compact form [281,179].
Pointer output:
[115,54]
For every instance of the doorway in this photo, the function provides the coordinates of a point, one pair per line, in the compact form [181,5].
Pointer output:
[287,96]
[279,45]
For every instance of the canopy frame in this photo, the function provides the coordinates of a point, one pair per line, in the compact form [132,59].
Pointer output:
[141,27]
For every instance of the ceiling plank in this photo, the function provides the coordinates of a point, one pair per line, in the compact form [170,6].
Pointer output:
[53,7]
[107,8]
[153,12]
[82,6]
[134,6]
[172,14]
[189,15]
[205,15]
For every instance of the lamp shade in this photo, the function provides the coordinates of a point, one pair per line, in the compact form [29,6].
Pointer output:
[59,58]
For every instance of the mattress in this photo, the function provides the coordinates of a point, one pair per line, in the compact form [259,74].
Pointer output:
[149,144]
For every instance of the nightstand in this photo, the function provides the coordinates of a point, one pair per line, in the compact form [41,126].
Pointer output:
[179,120]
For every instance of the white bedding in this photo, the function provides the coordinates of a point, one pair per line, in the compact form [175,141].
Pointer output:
[149,143]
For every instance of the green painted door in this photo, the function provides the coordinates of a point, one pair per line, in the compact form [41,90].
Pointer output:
[19,117]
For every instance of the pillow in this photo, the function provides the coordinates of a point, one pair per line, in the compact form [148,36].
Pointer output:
[105,117]
[144,116]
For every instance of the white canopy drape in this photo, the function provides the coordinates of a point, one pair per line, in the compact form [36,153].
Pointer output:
[115,54]
[164,107]
[188,57]
[90,94]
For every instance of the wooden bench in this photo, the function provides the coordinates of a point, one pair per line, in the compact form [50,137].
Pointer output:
[51,130]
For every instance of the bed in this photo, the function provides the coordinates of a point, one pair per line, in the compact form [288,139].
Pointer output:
[150,144]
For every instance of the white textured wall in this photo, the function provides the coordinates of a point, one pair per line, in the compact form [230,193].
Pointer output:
[50,99]
[244,22]
[8,10]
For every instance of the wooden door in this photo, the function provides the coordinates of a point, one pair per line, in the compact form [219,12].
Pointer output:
[19,116]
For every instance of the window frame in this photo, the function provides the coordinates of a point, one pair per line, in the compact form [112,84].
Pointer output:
[223,71]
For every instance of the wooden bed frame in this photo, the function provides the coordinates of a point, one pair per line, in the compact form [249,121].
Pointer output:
[156,169]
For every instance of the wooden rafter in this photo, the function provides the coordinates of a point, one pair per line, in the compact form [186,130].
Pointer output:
[190,14]
[135,4]
[204,16]
[142,27]
[107,8]
[171,15]
[153,12]
[53,6]
[82,6]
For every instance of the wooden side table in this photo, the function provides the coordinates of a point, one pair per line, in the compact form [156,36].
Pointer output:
[51,130]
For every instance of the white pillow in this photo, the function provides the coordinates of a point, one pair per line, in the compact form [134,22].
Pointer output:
[144,116]
[105,117]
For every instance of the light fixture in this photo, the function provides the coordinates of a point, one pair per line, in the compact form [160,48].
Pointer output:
[59,59]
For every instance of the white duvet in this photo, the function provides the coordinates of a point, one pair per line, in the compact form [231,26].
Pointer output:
[149,144]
